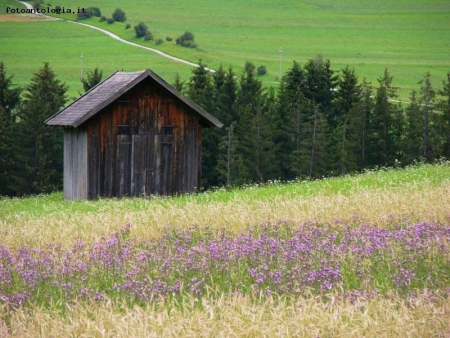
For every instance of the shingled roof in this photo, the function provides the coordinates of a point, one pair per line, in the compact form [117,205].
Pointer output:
[109,90]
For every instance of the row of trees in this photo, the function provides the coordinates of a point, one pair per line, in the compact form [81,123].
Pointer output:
[319,122]
[31,157]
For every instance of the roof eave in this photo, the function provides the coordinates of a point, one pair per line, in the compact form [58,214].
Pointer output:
[208,118]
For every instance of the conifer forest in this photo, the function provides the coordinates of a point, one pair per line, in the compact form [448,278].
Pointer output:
[316,122]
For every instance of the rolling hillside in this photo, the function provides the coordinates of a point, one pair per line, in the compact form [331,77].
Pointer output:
[410,39]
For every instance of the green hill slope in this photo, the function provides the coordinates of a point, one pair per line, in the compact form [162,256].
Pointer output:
[409,39]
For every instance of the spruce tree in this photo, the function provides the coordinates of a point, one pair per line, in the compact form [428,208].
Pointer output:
[346,96]
[9,95]
[430,140]
[200,91]
[225,96]
[345,132]
[251,126]
[178,84]
[92,79]
[362,112]
[41,146]
[200,87]
[225,109]
[9,104]
[230,161]
[270,161]
[289,132]
[414,130]
[444,107]
[320,86]
[382,148]
[314,151]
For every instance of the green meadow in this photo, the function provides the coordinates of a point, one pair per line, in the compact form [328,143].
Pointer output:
[410,38]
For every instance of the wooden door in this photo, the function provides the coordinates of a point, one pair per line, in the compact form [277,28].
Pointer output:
[123,165]
[144,165]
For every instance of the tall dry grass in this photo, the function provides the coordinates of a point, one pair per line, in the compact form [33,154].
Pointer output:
[412,202]
[230,315]
[241,316]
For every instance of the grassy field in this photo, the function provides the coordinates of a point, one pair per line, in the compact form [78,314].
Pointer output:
[410,39]
[364,255]
[417,194]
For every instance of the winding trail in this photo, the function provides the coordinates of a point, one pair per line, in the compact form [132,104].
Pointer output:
[118,38]
[156,51]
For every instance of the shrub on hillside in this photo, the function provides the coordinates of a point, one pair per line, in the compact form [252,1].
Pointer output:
[38,3]
[168,38]
[119,15]
[110,21]
[127,26]
[159,41]
[186,40]
[141,29]
[83,15]
[89,12]
[249,66]
[95,11]
[261,70]
[102,18]
[148,36]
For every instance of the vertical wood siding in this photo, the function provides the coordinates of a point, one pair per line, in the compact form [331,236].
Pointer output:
[75,164]
[147,142]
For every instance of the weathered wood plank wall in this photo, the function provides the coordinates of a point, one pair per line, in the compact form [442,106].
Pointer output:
[75,164]
[144,143]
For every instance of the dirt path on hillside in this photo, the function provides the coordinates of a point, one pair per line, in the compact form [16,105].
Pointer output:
[115,37]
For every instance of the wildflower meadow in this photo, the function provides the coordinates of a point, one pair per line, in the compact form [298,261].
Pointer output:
[385,273]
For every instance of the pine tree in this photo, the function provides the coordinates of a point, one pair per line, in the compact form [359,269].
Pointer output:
[320,86]
[314,150]
[382,146]
[289,122]
[9,103]
[92,79]
[230,161]
[200,91]
[178,84]
[361,113]
[225,96]
[200,87]
[444,107]
[347,95]
[414,130]
[430,141]
[41,147]
[250,129]
[9,96]
[254,129]
[345,133]
[225,109]
[271,150]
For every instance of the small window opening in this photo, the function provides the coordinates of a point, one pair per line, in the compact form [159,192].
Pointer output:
[167,130]
[123,129]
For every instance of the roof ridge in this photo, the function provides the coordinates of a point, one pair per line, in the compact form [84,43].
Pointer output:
[105,92]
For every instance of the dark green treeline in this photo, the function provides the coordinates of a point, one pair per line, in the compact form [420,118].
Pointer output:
[318,122]
[31,155]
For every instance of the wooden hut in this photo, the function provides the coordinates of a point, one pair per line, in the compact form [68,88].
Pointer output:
[132,135]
